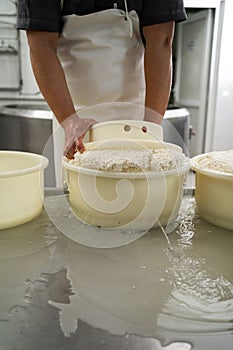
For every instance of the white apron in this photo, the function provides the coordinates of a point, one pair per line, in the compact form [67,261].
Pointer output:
[102,55]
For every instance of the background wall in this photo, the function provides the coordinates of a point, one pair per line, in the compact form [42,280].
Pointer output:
[223,126]
[15,64]
[219,116]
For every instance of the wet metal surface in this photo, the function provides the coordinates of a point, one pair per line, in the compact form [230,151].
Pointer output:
[58,294]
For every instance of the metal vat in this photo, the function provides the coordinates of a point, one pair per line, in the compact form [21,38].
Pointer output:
[28,128]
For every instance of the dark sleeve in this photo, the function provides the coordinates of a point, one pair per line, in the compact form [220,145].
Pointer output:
[160,11]
[39,15]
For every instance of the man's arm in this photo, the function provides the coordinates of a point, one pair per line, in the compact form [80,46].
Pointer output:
[49,73]
[158,67]
[51,80]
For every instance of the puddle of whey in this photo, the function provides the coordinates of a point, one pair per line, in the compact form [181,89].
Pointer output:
[62,216]
[29,238]
[23,249]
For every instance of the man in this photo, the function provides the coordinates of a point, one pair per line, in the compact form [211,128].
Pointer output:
[92,52]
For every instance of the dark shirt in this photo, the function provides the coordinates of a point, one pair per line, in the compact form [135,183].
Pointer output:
[46,15]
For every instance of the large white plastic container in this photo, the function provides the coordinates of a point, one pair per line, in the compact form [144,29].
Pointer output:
[214,195]
[137,201]
[21,187]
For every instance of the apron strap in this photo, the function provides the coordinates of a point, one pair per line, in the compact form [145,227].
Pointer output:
[127,18]
[126,10]
[126,15]
[125,1]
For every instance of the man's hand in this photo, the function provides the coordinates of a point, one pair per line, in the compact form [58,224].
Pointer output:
[75,129]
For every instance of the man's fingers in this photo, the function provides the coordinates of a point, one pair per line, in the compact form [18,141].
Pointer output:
[75,135]
[69,152]
[79,145]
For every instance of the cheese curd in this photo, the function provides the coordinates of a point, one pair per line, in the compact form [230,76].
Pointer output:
[221,161]
[130,160]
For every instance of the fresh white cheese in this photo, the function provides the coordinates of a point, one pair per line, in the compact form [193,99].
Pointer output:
[130,160]
[221,161]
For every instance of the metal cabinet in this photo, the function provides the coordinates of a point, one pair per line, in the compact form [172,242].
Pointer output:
[28,128]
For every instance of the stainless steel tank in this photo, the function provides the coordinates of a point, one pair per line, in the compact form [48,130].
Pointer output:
[28,128]
[176,127]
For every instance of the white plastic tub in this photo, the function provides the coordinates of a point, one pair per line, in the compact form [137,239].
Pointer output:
[214,195]
[21,187]
[136,201]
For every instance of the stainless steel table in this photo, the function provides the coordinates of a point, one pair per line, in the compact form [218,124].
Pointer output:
[59,294]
